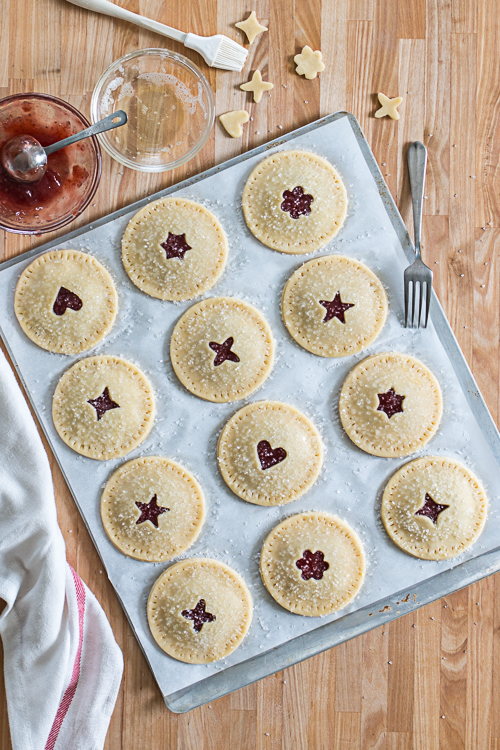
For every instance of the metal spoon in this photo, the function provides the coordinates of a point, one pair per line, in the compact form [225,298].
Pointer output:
[25,159]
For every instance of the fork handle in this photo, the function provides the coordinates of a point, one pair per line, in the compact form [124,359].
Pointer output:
[417,165]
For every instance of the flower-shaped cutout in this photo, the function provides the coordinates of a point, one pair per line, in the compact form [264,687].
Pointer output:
[389,106]
[251,27]
[309,63]
[312,565]
[176,246]
[296,202]
[198,615]
[257,86]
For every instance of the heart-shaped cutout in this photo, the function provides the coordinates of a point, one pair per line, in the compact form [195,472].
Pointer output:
[269,456]
[66,298]
[232,122]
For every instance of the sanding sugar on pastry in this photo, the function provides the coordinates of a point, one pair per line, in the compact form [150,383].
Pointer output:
[65,301]
[152,509]
[103,407]
[269,453]
[294,202]
[257,86]
[222,349]
[309,63]
[312,564]
[199,610]
[434,508]
[390,405]
[334,306]
[232,122]
[174,249]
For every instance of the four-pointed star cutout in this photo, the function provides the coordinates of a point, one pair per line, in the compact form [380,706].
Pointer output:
[103,404]
[198,615]
[431,509]
[223,351]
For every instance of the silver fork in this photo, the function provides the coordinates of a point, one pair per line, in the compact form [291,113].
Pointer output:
[418,275]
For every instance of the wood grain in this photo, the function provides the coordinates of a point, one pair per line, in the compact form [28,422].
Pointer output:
[440,691]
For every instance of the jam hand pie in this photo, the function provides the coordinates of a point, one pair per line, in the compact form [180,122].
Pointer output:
[434,508]
[222,349]
[65,301]
[269,453]
[199,610]
[334,306]
[390,405]
[294,202]
[312,564]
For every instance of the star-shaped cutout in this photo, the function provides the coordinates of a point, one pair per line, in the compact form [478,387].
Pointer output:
[103,404]
[312,565]
[176,246]
[309,63]
[431,509]
[251,27]
[198,615]
[232,122]
[335,309]
[296,202]
[150,511]
[389,106]
[257,85]
[223,351]
[390,403]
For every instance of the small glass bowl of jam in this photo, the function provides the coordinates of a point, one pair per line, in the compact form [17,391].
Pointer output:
[72,175]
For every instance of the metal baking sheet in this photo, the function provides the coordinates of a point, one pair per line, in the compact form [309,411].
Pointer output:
[186,427]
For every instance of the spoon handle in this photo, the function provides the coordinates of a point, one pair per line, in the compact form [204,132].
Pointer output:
[109,122]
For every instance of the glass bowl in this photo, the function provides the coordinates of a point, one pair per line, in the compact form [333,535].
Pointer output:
[72,175]
[170,108]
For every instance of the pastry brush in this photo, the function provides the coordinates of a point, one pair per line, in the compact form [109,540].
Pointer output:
[218,51]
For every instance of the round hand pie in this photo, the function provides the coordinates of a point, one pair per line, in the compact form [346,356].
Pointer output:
[434,508]
[269,453]
[152,509]
[222,349]
[103,407]
[312,564]
[174,249]
[199,611]
[334,306]
[65,301]
[390,405]
[294,202]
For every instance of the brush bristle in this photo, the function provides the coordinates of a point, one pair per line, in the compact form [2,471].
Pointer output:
[230,55]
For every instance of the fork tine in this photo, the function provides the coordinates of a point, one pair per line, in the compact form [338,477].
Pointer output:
[407,292]
[420,295]
[414,290]
[427,301]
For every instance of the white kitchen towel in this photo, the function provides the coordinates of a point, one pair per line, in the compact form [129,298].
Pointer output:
[62,664]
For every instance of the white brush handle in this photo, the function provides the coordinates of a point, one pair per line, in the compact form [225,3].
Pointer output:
[110,9]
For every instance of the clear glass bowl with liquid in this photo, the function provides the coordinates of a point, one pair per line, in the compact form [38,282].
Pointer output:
[170,108]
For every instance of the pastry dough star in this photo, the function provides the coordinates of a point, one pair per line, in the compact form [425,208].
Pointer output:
[257,85]
[232,122]
[389,106]
[309,63]
[251,27]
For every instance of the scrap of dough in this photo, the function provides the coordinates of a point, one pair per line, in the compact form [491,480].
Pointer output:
[251,27]
[257,85]
[232,122]
[309,63]
[389,106]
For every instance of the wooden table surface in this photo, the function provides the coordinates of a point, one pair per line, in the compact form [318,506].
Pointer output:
[428,680]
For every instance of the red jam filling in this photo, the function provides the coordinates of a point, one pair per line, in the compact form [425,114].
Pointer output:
[65,298]
[269,456]
[431,509]
[103,404]
[390,403]
[176,246]
[150,511]
[335,309]
[312,565]
[296,202]
[198,615]
[223,351]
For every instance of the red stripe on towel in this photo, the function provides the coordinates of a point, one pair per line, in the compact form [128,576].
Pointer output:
[71,689]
